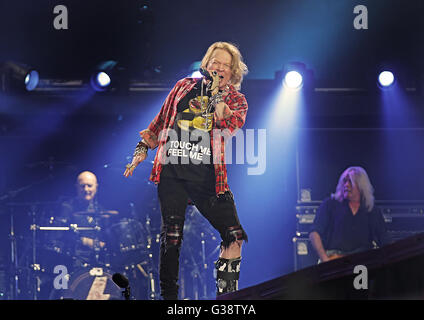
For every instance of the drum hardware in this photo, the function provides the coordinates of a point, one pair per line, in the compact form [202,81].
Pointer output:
[143,272]
[52,228]
[75,228]
[101,213]
[36,268]
[15,269]
[14,287]
[152,286]
[202,242]
[198,275]
[96,272]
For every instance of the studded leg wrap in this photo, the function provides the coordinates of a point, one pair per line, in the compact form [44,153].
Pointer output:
[227,275]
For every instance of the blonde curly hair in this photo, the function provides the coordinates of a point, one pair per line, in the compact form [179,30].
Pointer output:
[238,67]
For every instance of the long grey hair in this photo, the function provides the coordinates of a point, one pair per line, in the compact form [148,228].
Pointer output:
[359,177]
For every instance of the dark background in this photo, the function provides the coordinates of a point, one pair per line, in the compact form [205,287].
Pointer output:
[48,137]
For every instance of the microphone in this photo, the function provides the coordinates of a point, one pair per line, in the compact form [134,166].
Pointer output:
[122,282]
[207,75]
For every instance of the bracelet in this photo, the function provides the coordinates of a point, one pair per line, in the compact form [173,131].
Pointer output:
[141,148]
[217,98]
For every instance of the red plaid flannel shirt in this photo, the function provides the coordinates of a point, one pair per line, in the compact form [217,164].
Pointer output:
[156,134]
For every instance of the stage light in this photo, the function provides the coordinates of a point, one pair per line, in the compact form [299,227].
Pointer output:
[193,70]
[104,75]
[386,79]
[196,74]
[294,76]
[293,80]
[18,77]
[31,80]
[103,79]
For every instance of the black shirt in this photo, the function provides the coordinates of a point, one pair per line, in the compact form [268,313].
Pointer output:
[188,149]
[340,230]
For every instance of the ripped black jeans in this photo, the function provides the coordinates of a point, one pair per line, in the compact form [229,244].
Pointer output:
[219,211]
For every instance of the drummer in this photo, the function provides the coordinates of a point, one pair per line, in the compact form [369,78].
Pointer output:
[86,199]
[84,211]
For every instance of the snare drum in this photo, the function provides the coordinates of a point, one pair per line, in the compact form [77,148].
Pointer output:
[92,284]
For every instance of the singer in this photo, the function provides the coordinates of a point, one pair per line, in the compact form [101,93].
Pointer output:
[189,166]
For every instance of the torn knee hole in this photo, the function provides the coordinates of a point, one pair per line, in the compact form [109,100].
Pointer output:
[233,236]
[174,232]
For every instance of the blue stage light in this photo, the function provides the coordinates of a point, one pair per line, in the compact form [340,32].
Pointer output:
[16,76]
[103,79]
[31,80]
[104,74]
[293,80]
[386,79]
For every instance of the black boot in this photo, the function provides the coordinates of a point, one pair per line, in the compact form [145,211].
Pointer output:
[227,275]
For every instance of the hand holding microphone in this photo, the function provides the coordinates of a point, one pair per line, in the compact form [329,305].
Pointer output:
[214,78]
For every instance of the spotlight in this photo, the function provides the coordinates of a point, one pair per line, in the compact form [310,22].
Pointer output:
[295,76]
[196,74]
[386,79]
[104,75]
[103,79]
[17,77]
[293,80]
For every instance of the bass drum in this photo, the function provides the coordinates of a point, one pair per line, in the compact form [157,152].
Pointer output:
[92,284]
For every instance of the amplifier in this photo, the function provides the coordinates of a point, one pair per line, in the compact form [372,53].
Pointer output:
[304,253]
[305,216]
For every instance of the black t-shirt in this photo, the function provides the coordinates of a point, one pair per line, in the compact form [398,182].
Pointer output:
[188,149]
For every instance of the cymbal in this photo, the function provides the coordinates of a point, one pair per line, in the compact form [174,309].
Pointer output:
[103,213]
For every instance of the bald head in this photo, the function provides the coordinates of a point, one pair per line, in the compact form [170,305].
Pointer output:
[87,185]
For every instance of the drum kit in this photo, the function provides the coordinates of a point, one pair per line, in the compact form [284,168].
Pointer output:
[53,260]
[52,257]
[87,256]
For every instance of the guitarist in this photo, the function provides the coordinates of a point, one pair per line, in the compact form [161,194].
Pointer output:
[348,222]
